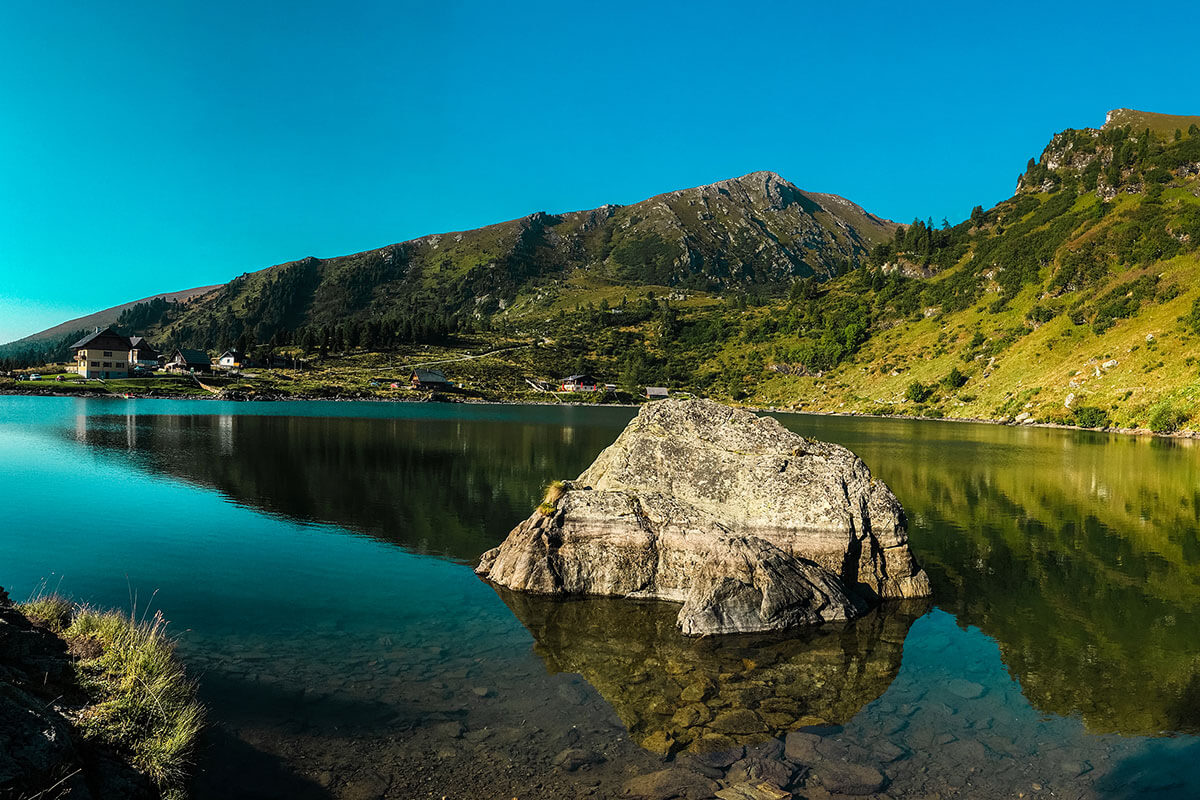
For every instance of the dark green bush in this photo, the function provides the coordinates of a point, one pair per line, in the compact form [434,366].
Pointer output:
[954,379]
[1041,314]
[918,392]
[1166,418]
[1091,417]
[1192,320]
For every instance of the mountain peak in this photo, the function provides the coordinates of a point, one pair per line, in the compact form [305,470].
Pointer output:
[762,189]
[756,230]
[757,179]
[765,176]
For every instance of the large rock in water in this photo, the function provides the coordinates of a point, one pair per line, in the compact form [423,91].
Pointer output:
[750,526]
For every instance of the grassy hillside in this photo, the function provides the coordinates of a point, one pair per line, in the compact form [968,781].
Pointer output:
[1163,125]
[1074,301]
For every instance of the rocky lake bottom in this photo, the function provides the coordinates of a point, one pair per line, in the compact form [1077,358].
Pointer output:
[418,720]
[316,566]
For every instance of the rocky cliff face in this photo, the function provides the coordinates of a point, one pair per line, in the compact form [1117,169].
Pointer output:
[1121,156]
[749,526]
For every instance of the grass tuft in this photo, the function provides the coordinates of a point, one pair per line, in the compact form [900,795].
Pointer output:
[554,492]
[51,611]
[143,705]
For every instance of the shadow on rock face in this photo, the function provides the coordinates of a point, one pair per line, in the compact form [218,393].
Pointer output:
[678,693]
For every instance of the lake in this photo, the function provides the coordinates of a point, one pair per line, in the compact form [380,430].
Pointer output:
[314,560]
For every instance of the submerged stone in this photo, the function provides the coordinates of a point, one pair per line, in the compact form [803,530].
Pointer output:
[846,778]
[761,770]
[967,690]
[670,783]
[574,758]
[751,791]
[801,748]
[748,525]
[660,743]
[740,720]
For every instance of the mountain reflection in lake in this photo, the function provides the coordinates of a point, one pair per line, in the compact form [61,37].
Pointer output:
[313,559]
[447,487]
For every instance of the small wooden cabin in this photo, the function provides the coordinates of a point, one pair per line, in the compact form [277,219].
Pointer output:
[429,379]
[186,360]
[231,359]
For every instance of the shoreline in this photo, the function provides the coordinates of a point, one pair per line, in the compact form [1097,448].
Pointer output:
[1139,432]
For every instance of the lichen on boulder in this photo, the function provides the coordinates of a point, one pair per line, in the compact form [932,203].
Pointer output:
[748,525]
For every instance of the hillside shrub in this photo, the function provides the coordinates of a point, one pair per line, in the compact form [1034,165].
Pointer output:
[1039,315]
[1192,319]
[917,392]
[1166,418]
[1091,417]
[954,379]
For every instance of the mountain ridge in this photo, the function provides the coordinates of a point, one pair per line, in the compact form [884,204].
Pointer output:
[753,230]
[1162,124]
[759,186]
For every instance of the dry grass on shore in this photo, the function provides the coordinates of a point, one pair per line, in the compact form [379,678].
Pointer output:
[142,703]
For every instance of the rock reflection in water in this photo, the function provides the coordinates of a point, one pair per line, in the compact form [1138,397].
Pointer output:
[677,693]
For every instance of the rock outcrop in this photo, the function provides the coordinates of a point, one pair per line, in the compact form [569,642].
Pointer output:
[748,525]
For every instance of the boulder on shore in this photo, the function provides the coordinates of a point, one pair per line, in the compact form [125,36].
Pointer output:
[748,525]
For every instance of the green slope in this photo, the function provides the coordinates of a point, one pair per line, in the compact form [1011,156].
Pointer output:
[1075,301]
[1161,124]
[1080,289]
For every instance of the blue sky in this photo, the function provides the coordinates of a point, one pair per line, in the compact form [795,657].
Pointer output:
[150,147]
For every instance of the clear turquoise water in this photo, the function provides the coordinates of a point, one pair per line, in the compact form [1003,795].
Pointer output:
[314,559]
